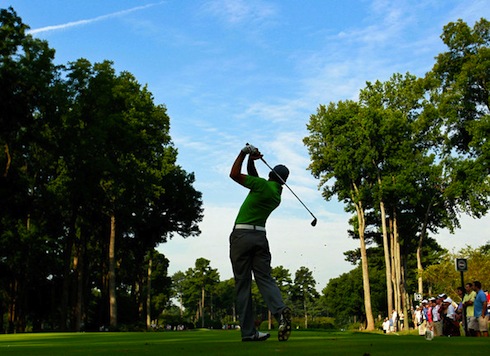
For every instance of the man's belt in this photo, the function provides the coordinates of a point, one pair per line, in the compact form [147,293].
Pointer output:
[249,227]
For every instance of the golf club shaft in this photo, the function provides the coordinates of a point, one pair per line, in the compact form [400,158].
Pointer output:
[283,182]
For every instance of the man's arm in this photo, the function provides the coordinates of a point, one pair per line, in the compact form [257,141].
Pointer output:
[236,169]
[251,170]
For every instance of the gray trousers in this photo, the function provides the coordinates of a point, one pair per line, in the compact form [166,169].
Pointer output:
[249,252]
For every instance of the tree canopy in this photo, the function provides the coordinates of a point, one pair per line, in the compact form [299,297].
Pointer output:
[407,157]
[89,188]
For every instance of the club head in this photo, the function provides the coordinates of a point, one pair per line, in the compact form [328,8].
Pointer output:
[313,223]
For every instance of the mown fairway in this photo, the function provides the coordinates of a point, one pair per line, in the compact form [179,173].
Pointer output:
[218,342]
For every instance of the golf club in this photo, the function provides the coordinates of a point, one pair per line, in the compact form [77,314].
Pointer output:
[313,223]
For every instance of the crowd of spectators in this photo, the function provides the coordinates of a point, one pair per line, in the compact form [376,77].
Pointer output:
[442,316]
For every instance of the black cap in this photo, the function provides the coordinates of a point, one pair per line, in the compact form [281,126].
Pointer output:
[282,171]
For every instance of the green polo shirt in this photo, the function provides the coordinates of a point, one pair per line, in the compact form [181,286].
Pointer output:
[263,198]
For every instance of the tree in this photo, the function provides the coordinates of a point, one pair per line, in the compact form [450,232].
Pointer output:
[199,280]
[28,83]
[457,121]
[158,289]
[178,289]
[127,161]
[403,167]
[458,85]
[282,276]
[86,150]
[380,151]
[342,158]
[27,74]
[304,290]
[225,301]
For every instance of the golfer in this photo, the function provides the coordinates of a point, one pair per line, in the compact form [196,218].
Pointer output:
[249,248]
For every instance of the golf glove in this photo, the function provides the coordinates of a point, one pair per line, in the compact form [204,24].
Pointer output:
[249,149]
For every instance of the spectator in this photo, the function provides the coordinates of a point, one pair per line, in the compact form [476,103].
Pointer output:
[480,310]
[411,322]
[425,313]
[459,308]
[488,300]
[386,325]
[429,313]
[419,317]
[394,320]
[468,301]
[436,316]
[450,326]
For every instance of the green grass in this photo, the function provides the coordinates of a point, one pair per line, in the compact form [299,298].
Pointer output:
[228,342]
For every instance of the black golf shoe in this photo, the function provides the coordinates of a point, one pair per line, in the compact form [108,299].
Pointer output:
[284,330]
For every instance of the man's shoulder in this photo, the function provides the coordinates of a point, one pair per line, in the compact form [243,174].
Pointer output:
[254,180]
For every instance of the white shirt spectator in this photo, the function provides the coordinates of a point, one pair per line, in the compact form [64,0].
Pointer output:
[450,311]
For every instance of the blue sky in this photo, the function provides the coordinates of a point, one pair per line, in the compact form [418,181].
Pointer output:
[237,71]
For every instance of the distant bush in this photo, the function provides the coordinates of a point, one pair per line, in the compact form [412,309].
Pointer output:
[322,322]
[264,326]
[129,327]
[355,326]
[209,324]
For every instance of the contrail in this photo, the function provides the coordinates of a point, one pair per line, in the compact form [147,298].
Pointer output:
[88,21]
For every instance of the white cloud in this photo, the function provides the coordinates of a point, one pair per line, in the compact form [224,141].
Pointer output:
[240,11]
[90,21]
[473,232]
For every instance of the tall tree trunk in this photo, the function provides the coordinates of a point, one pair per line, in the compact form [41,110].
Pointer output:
[397,263]
[364,262]
[76,305]
[365,282]
[394,273]
[112,274]
[181,302]
[12,314]
[420,268]
[202,307]
[423,234]
[9,159]
[405,301]
[148,294]
[306,312]
[386,248]
[67,268]
[79,269]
